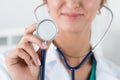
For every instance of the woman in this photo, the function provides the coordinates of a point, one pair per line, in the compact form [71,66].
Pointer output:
[73,19]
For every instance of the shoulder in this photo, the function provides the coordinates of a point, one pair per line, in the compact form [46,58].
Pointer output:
[108,69]
[105,69]
[112,66]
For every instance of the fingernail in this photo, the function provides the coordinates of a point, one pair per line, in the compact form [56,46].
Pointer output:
[38,61]
[44,45]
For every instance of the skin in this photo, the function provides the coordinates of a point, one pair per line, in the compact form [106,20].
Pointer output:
[73,19]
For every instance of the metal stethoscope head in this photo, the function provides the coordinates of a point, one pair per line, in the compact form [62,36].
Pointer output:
[47,31]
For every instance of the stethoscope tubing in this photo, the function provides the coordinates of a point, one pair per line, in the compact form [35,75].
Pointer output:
[42,68]
[76,67]
[90,53]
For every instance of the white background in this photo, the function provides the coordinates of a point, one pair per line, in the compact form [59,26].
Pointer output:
[18,14]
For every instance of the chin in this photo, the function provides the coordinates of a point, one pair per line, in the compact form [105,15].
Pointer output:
[72,29]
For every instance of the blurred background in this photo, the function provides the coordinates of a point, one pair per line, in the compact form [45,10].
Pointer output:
[16,15]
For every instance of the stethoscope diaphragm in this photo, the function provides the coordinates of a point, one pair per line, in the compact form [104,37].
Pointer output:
[47,30]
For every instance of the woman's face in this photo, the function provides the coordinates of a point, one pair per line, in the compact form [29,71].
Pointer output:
[73,15]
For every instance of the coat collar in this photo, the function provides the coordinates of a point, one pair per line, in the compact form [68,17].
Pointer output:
[52,55]
[55,70]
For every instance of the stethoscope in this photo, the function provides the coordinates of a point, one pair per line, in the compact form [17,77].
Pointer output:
[47,31]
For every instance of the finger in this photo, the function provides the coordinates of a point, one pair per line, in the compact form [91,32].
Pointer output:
[33,39]
[31,29]
[23,55]
[30,50]
[39,53]
[16,55]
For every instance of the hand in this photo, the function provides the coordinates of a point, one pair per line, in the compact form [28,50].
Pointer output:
[23,62]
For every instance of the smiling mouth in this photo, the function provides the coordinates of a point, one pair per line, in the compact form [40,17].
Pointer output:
[72,15]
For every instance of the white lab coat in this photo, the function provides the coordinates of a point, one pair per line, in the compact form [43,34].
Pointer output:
[55,70]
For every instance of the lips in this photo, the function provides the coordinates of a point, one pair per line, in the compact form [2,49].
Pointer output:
[72,15]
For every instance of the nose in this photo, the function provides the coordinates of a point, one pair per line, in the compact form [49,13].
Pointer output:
[73,3]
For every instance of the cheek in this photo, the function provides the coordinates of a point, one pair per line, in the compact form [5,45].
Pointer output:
[54,5]
[92,7]
[54,9]
[91,10]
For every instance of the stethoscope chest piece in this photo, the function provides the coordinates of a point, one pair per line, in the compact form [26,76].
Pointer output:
[47,30]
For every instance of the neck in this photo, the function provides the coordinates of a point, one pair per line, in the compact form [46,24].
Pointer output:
[74,45]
